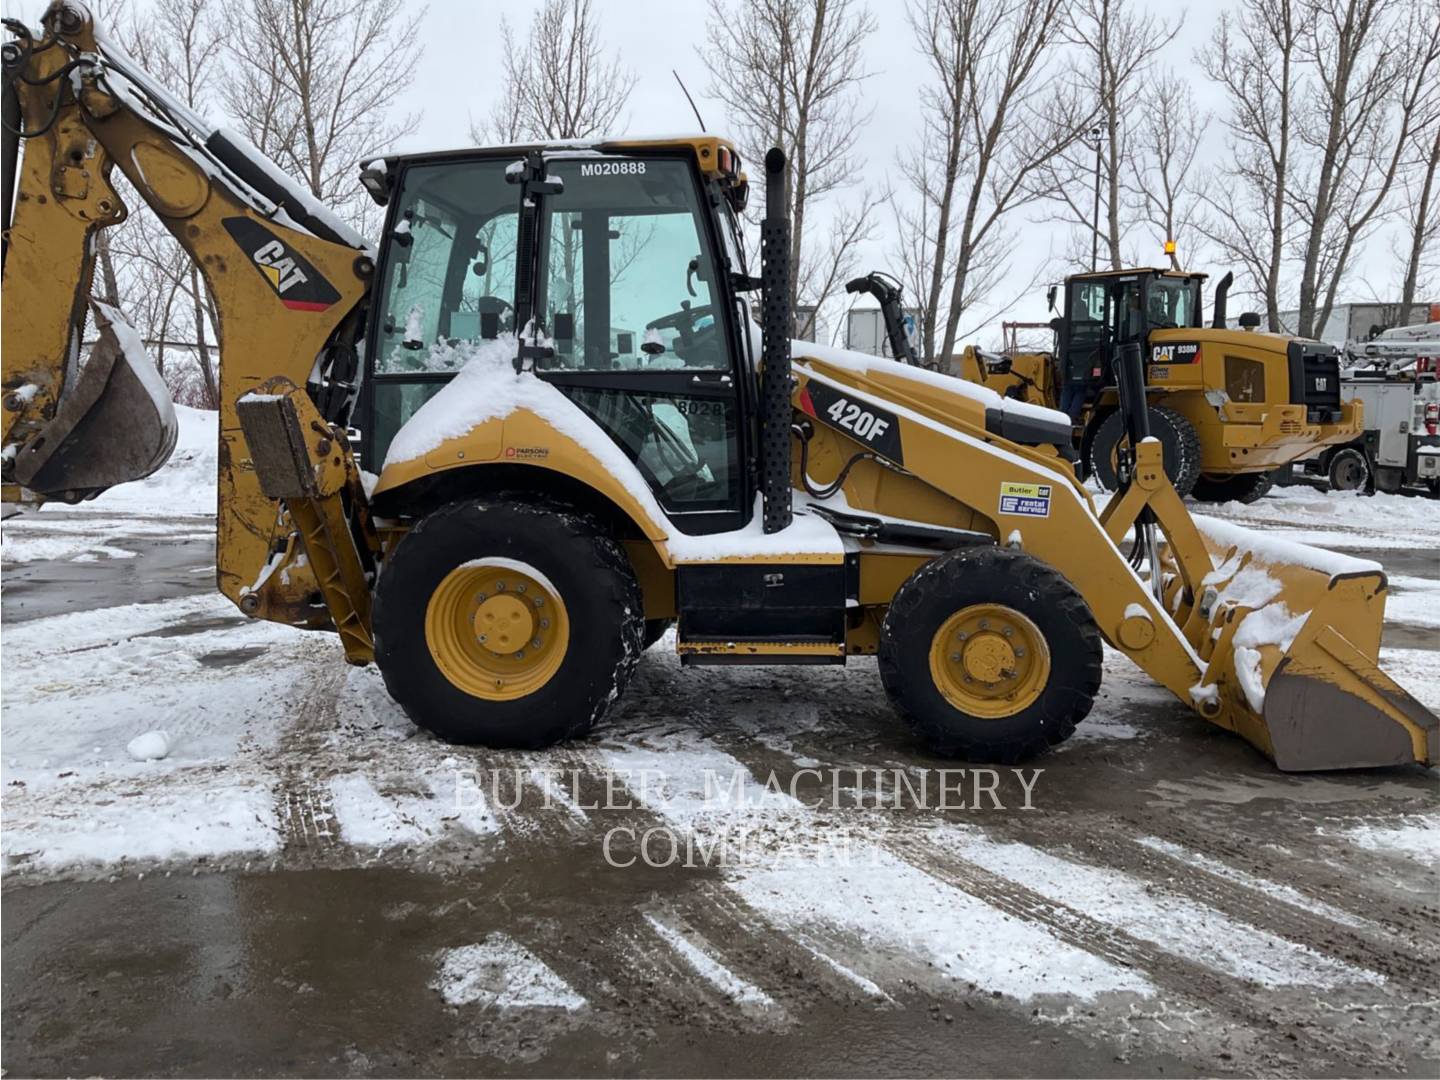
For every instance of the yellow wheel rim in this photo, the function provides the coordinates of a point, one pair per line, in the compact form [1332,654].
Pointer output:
[497,629]
[989,660]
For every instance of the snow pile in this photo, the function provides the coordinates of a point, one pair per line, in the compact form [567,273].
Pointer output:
[501,973]
[1268,548]
[186,484]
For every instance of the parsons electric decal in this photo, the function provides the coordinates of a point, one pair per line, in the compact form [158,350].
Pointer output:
[875,427]
[296,282]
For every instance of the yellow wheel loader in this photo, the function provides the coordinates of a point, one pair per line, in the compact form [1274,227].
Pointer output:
[1229,406]
[572,431]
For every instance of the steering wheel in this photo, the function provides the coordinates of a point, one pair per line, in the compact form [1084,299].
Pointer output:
[681,320]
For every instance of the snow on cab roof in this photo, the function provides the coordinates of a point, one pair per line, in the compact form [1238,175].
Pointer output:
[406,149]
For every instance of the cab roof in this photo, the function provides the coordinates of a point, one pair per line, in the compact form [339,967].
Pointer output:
[705,147]
[1135,271]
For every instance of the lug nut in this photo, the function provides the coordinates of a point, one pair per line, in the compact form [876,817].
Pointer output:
[520,587]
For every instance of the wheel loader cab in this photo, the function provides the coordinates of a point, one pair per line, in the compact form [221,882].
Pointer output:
[633,258]
[1105,311]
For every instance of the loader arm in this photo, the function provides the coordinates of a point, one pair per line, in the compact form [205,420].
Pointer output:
[289,298]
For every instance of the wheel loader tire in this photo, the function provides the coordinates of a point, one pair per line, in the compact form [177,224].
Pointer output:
[507,623]
[654,630]
[990,655]
[1348,471]
[1178,440]
[1242,488]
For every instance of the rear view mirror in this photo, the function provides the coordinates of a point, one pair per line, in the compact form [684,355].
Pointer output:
[1050,298]
[482,261]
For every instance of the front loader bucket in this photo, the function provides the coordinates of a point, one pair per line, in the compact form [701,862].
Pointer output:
[1291,638]
[113,424]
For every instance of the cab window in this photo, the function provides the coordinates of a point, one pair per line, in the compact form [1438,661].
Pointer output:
[627,263]
[450,263]
[639,328]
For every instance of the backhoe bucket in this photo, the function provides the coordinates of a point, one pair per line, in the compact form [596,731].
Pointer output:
[113,424]
[1291,635]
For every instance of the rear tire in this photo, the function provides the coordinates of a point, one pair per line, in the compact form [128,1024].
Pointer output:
[580,602]
[1349,471]
[1178,440]
[1242,488]
[982,593]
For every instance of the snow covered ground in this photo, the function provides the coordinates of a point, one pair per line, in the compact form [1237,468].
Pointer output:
[1157,888]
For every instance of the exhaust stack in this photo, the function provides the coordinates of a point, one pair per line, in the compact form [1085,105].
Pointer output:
[1222,291]
[775,406]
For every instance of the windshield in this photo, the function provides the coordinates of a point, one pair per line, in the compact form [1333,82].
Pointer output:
[1172,302]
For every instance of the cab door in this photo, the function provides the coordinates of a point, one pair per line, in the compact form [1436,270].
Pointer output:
[638,304]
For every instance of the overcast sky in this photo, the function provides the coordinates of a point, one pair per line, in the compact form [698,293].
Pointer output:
[460,75]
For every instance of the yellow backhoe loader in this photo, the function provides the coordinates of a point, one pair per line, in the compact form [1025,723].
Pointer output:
[572,432]
[1230,406]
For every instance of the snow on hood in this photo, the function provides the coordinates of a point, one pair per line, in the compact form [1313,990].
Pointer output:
[863,364]
[487,388]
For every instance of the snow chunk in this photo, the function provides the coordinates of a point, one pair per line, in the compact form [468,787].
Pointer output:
[501,973]
[152,746]
[1271,625]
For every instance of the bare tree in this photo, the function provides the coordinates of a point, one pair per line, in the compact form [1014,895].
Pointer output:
[1165,180]
[999,105]
[1254,57]
[1371,76]
[312,85]
[1421,208]
[790,73]
[560,83]
[1117,47]
[179,42]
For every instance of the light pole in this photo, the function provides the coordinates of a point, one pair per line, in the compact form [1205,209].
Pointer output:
[1095,232]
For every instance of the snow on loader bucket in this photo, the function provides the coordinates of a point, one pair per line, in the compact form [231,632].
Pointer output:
[1291,634]
[113,424]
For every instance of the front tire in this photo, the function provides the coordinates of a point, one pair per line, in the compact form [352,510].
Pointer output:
[990,655]
[1241,488]
[1178,441]
[507,624]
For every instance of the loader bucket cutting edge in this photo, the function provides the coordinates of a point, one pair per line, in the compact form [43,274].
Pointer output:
[1302,681]
[114,424]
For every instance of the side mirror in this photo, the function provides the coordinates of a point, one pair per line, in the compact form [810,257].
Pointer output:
[1050,298]
[1249,320]
[482,261]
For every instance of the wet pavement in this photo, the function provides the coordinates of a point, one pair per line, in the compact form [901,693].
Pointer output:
[1168,905]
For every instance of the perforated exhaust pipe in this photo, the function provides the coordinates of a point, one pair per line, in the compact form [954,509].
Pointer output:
[775,347]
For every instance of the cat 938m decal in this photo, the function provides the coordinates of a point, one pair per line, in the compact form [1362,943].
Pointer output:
[296,282]
[877,428]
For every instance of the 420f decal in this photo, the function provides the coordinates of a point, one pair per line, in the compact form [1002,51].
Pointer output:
[877,428]
[296,282]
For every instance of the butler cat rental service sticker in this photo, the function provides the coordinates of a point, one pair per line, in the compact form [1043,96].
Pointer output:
[1026,500]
